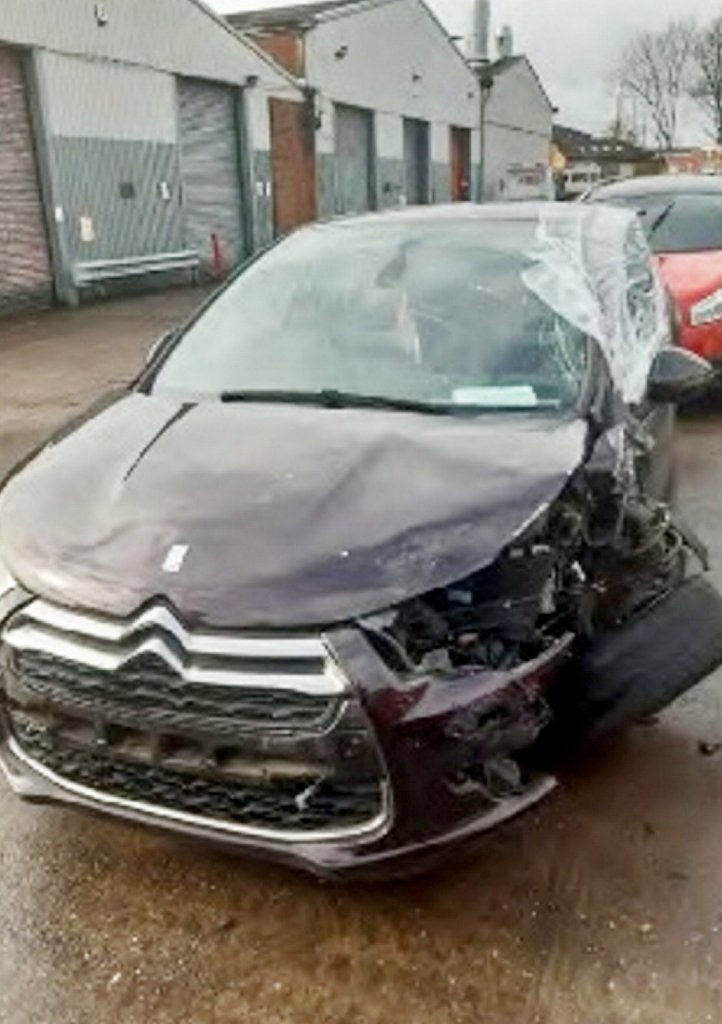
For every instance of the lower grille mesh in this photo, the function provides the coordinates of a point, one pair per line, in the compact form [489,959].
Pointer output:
[284,805]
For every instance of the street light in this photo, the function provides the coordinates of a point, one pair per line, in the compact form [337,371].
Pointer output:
[485,77]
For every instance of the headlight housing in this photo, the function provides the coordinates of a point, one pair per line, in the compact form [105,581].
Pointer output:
[11,593]
[708,311]
[7,582]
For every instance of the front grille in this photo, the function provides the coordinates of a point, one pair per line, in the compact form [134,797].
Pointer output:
[147,690]
[252,733]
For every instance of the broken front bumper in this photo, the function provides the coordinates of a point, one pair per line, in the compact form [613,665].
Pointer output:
[376,857]
[447,755]
[407,770]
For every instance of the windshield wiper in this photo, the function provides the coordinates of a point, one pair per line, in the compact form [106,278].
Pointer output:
[661,218]
[331,399]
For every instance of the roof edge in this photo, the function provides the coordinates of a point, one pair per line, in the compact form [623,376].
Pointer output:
[348,8]
[258,50]
[504,64]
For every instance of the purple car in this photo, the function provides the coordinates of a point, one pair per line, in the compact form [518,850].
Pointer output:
[370,545]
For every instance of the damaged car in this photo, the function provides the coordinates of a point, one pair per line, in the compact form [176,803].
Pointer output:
[373,540]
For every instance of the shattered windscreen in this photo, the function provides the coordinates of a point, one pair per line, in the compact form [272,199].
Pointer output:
[455,315]
[594,268]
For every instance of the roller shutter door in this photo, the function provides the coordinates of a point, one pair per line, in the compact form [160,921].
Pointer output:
[211,170]
[354,159]
[25,270]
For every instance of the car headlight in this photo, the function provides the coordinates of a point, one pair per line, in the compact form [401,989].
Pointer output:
[708,311]
[7,582]
[12,595]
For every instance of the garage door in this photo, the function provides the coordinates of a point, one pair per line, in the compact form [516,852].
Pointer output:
[212,175]
[294,165]
[25,272]
[460,165]
[416,160]
[354,159]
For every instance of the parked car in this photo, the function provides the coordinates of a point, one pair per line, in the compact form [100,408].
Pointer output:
[371,540]
[682,218]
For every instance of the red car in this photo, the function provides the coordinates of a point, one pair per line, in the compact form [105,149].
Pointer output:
[682,218]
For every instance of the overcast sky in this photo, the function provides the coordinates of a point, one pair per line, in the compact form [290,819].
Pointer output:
[573,43]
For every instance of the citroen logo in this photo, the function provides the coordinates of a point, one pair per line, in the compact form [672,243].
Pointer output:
[155,648]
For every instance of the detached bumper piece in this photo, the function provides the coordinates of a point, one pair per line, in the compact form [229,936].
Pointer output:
[638,668]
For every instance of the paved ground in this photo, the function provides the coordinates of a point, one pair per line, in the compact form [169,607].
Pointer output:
[604,907]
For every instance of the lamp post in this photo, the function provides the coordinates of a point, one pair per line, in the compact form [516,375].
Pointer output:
[485,77]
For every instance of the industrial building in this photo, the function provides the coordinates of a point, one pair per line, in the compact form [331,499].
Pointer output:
[153,138]
[134,140]
[518,120]
[393,108]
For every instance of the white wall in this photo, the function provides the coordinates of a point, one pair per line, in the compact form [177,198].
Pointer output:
[518,125]
[178,36]
[398,60]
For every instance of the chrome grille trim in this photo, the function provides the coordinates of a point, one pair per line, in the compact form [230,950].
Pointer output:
[117,631]
[106,645]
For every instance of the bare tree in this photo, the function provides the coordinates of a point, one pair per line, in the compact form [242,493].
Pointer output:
[706,84]
[655,68]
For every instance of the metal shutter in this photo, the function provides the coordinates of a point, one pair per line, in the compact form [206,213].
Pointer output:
[354,159]
[25,271]
[416,160]
[211,170]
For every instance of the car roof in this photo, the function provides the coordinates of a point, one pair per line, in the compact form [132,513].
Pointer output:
[661,184]
[455,213]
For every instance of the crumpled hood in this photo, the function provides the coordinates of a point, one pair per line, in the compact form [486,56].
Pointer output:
[292,515]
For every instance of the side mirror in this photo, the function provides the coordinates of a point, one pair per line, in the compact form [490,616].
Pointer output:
[158,345]
[677,375]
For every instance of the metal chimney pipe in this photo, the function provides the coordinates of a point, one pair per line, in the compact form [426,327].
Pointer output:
[479,38]
[505,42]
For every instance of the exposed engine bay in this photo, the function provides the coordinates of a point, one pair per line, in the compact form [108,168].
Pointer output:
[594,559]
[600,584]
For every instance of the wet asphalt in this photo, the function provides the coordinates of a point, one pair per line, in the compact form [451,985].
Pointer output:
[603,906]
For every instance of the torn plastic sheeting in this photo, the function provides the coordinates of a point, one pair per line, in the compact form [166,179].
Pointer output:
[595,270]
